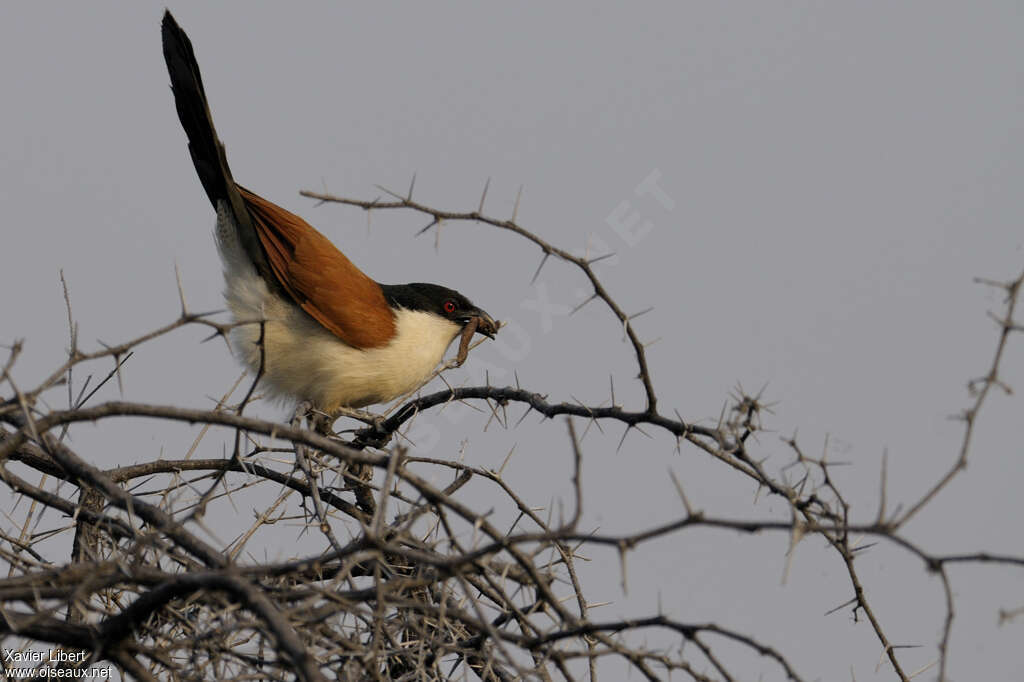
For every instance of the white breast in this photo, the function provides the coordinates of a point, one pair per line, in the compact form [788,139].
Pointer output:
[303,361]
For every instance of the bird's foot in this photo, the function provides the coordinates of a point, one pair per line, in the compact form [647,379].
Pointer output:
[302,410]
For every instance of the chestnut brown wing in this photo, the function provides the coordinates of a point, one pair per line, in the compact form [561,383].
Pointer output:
[319,277]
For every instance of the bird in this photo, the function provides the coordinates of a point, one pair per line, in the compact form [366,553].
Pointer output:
[314,327]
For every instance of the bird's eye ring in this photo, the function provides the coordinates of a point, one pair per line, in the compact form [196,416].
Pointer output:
[449,307]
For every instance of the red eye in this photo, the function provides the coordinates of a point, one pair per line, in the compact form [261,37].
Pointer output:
[449,307]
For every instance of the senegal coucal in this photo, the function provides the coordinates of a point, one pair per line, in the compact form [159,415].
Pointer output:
[330,335]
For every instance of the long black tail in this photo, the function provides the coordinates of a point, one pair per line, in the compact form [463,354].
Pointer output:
[194,112]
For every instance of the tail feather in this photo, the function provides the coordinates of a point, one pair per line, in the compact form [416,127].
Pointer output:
[203,144]
[194,112]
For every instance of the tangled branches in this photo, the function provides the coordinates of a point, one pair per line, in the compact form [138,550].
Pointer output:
[393,575]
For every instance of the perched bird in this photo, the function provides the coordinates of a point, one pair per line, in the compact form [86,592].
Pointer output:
[330,335]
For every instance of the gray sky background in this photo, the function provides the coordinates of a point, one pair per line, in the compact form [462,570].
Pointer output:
[838,173]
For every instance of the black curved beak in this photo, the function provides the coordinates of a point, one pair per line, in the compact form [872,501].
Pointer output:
[485,323]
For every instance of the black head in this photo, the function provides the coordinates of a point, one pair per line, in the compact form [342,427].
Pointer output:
[433,298]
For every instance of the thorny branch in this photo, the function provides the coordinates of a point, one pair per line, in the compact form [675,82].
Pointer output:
[392,575]
[584,264]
